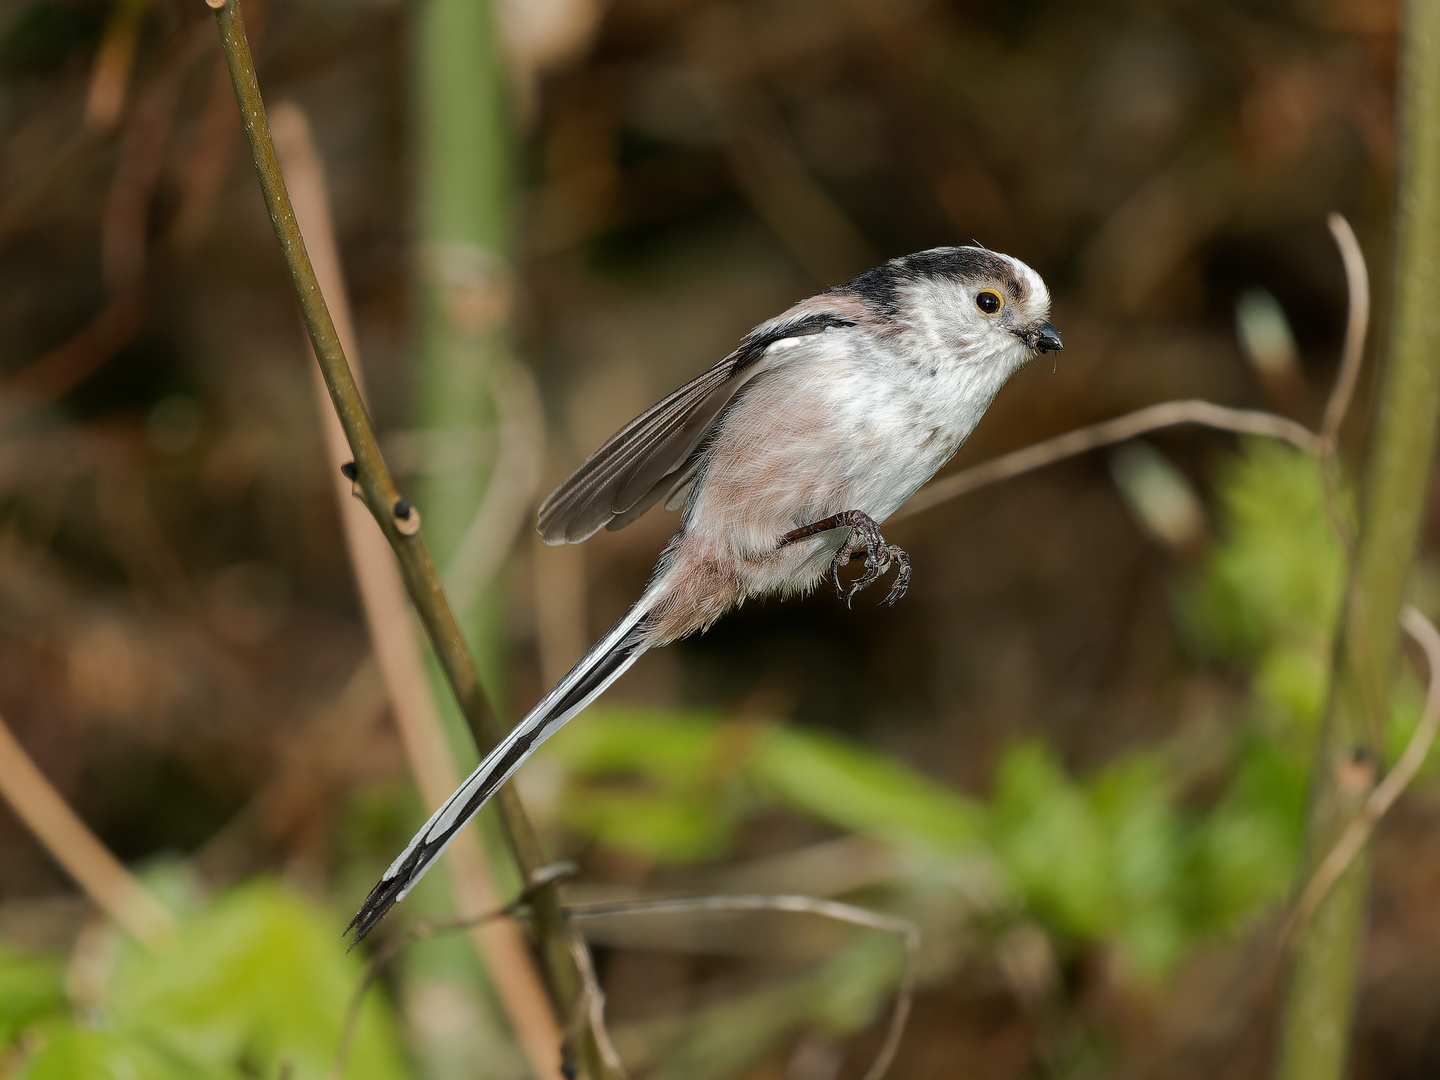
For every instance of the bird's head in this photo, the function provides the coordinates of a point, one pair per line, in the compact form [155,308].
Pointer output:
[981,304]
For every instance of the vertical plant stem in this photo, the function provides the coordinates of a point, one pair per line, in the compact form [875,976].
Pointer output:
[500,942]
[463,213]
[395,518]
[465,302]
[1315,1025]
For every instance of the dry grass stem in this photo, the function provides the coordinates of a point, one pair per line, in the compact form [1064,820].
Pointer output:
[1423,631]
[392,630]
[114,59]
[591,1007]
[70,843]
[805,905]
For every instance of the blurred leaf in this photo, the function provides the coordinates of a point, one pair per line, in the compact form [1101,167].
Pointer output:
[1278,574]
[1048,837]
[666,786]
[863,791]
[31,987]
[1247,844]
[76,1053]
[257,979]
[679,782]
[670,746]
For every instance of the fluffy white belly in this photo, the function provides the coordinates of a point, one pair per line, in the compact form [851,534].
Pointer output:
[815,438]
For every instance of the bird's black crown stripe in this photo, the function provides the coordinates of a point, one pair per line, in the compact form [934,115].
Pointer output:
[880,287]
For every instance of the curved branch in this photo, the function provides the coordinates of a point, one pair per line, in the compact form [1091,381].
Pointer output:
[1107,432]
[806,905]
[1357,278]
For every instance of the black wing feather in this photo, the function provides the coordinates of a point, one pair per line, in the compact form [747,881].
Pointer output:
[637,466]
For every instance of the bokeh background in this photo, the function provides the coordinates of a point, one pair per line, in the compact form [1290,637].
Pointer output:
[1075,754]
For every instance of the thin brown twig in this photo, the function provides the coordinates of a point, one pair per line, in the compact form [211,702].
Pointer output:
[591,1007]
[203,175]
[1106,433]
[1383,797]
[807,905]
[1357,324]
[1357,281]
[112,888]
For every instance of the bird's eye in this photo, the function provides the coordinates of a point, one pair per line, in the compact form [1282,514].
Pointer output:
[989,301]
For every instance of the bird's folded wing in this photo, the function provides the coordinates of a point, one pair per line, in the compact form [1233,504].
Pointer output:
[647,458]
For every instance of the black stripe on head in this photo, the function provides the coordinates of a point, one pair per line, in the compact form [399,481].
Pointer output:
[880,287]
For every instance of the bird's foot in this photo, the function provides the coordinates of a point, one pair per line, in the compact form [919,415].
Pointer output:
[864,534]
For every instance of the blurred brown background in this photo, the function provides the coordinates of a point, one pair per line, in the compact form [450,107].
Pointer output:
[178,617]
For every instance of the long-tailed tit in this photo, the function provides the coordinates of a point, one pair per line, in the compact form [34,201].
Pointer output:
[786,456]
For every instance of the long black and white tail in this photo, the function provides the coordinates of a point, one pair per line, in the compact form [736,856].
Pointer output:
[587,680]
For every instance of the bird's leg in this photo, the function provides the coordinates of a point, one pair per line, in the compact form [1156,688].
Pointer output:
[864,532]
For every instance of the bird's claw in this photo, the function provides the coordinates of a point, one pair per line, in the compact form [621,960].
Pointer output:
[864,534]
[879,556]
[902,577]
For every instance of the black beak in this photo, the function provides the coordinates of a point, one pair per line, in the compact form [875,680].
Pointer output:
[1045,337]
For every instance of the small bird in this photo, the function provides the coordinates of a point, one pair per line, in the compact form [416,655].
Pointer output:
[786,457]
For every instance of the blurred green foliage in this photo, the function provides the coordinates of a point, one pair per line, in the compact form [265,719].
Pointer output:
[251,984]
[31,987]
[1269,594]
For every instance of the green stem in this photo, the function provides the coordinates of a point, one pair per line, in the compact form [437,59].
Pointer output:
[380,495]
[1315,1027]
[462,152]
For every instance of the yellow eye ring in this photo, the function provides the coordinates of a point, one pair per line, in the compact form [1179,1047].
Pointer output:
[989,301]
